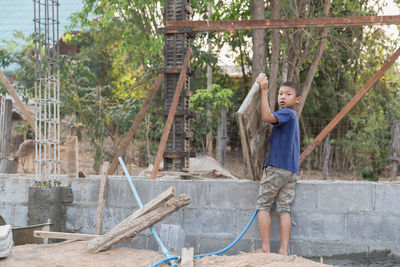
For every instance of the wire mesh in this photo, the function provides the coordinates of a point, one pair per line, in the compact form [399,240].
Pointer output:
[47,88]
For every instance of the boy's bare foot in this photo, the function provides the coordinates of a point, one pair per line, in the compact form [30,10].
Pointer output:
[260,250]
[283,252]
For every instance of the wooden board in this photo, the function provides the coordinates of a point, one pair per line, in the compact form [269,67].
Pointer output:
[102,199]
[187,257]
[254,133]
[62,235]
[130,229]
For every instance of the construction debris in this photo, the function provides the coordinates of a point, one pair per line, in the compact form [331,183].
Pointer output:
[130,228]
[6,240]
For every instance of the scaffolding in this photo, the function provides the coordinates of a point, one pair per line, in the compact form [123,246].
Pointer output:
[47,89]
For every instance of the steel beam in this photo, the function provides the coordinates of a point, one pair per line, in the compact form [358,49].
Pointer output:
[229,25]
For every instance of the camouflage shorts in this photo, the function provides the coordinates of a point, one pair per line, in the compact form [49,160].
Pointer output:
[276,184]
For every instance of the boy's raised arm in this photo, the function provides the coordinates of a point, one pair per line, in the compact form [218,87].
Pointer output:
[266,115]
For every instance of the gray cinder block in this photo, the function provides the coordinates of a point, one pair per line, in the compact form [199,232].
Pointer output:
[173,237]
[345,196]
[387,198]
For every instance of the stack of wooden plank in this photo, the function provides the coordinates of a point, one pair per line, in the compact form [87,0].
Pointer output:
[154,211]
[6,240]
[254,133]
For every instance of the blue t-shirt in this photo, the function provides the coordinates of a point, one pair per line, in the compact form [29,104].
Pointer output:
[283,149]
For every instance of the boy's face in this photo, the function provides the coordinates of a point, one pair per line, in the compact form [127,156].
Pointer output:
[287,97]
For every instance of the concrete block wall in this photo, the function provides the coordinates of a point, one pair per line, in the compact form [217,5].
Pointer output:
[330,217]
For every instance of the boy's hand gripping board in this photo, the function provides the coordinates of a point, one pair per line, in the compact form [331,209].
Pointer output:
[254,133]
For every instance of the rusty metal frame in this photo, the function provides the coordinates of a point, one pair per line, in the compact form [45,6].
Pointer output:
[230,25]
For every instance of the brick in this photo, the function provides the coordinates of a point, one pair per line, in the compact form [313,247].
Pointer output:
[387,198]
[173,237]
[20,215]
[113,216]
[85,191]
[299,247]
[247,194]
[244,216]
[198,191]
[192,241]
[305,197]
[120,195]
[345,196]
[371,227]
[6,212]
[85,220]
[72,219]
[242,219]
[13,190]
[312,226]
[214,244]
[223,194]
[174,218]
[146,189]
[326,249]
[209,222]
[152,244]
[138,242]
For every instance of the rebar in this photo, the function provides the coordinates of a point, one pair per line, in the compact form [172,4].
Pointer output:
[3,148]
[47,89]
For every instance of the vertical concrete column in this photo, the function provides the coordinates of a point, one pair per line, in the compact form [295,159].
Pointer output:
[49,203]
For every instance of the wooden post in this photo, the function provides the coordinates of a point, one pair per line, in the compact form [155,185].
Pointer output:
[5,135]
[171,114]
[187,257]
[138,119]
[17,100]
[327,152]
[132,228]
[222,137]
[102,198]
[349,106]
[62,235]
[395,150]
[72,159]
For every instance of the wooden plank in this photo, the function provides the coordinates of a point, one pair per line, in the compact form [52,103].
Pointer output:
[395,150]
[17,100]
[187,257]
[62,235]
[230,25]
[72,159]
[138,119]
[254,133]
[102,199]
[131,229]
[150,206]
[171,114]
[360,94]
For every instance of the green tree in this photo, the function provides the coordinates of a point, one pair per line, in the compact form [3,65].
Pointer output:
[210,99]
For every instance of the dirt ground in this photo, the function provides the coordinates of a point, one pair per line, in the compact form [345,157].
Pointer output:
[74,254]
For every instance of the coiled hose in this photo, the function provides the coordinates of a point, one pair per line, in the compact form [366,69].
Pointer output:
[216,252]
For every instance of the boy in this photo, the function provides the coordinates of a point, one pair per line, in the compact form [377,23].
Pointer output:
[281,165]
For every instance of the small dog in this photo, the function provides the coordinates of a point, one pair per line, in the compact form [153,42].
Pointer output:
[26,156]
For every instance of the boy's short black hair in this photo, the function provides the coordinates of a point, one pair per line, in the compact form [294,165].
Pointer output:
[293,85]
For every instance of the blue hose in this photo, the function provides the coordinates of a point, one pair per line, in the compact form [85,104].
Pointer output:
[217,252]
[153,231]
